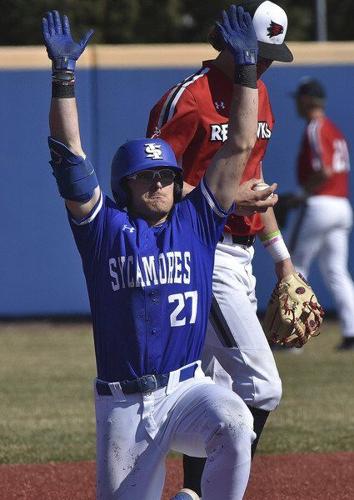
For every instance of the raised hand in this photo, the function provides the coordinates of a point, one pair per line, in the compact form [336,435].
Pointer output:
[61,48]
[237,31]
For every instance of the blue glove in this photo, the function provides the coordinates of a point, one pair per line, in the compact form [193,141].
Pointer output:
[237,31]
[61,48]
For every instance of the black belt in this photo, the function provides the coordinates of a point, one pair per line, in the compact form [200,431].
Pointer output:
[147,383]
[247,240]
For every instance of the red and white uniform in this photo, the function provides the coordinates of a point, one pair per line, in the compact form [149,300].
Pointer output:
[326,220]
[193,118]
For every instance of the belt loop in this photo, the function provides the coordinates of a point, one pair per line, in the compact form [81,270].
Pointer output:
[173,381]
[117,393]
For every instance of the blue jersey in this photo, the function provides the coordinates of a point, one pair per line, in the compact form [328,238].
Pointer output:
[149,287]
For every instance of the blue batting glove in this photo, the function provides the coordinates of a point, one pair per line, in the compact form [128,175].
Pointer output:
[237,31]
[61,48]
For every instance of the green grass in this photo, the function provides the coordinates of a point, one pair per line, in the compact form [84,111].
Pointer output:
[46,410]
[46,404]
[316,413]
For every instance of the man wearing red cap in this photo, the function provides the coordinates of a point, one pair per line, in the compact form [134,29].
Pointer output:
[193,117]
[325,221]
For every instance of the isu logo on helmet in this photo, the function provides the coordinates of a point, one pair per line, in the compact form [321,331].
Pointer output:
[153,151]
[275,29]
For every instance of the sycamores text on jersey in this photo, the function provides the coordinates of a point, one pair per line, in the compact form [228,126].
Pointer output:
[128,272]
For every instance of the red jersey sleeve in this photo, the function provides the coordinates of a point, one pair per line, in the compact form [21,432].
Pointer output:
[316,138]
[324,145]
[175,108]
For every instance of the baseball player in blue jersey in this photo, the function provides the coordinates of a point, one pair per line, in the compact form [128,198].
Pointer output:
[148,261]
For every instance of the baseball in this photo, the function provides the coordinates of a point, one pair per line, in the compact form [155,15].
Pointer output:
[260,186]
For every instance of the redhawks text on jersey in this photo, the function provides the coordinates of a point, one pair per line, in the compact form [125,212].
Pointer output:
[219,131]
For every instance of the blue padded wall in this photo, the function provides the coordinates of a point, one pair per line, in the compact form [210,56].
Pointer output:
[40,269]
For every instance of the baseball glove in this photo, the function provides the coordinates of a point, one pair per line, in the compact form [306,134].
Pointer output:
[293,314]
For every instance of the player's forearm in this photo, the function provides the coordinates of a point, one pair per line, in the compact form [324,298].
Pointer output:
[225,173]
[241,139]
[242,133]
[78,185]
[273,242]
[242,130]
[63,51]
[269,221]
[64,123]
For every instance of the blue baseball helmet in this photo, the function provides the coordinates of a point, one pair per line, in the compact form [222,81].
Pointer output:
[137,155]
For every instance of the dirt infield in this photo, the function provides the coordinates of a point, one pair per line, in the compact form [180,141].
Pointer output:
[282,477]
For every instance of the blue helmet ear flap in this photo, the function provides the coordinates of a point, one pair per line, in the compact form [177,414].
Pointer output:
[137,155]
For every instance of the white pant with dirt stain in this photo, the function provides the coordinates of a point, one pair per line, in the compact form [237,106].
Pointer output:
[236,352]
[135,433]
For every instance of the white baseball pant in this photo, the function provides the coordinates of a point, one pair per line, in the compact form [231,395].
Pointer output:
[135,433]
[236,352]
[324,233]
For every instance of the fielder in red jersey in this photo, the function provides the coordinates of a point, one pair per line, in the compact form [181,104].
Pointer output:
[202,104]
[324,223]
[193,117]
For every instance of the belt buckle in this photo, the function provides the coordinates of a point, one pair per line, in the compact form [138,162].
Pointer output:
[147,383]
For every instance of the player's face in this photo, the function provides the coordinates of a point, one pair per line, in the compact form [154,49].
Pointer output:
[152,193]
[262,65]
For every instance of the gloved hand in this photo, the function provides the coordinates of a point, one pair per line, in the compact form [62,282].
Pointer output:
[237,31]
[61,48]
[294,314]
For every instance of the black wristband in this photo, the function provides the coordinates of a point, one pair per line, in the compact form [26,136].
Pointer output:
[246,75]
[63,90]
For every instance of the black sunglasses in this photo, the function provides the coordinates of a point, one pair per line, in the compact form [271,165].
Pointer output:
[164,175]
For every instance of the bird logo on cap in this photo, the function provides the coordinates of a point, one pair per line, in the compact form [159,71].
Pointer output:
[275,29]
